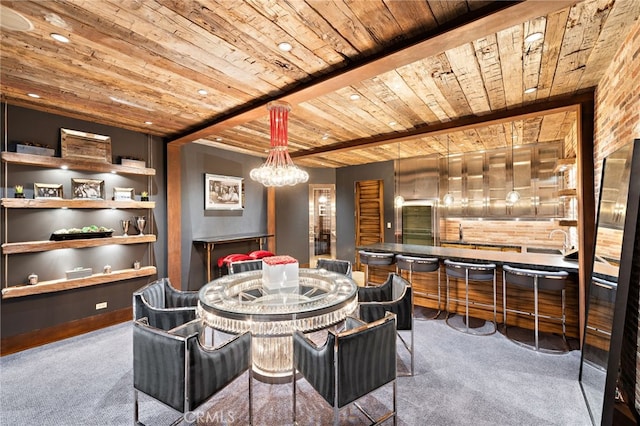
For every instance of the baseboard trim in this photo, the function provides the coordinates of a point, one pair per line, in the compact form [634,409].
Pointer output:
[43,336]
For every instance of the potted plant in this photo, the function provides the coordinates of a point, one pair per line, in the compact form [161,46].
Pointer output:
[19,191]
[144,196]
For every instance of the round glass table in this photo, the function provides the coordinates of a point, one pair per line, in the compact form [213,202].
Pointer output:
[239,302]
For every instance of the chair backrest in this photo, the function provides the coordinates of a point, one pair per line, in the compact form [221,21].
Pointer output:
[375,258]
[359,368]
[245,265]
[335,265]
[159,364]
[380,293]
[417,264]
[477,271]
[164,306]
[399,301]
[547,280]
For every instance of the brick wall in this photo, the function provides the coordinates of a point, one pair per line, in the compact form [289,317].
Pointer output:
[617,122]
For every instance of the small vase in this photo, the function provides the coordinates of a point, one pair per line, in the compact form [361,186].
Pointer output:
[144,198]
[19,195]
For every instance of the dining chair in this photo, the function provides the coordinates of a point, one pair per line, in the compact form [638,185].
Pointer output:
[163,305]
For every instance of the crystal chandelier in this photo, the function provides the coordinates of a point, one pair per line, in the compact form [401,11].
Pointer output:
[278,169]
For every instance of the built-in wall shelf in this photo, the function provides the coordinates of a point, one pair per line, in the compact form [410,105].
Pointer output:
[57,203]
[38,246]
[64,284]
[564,164]
[568,192]
[74,164]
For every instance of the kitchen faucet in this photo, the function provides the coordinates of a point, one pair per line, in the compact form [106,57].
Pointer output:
[565,244]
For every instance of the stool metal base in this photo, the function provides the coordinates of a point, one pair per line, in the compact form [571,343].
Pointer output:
[511,333]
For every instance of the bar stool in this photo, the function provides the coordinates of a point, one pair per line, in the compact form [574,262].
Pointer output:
[376,259]
[471,272]
[420,264]
[536,280]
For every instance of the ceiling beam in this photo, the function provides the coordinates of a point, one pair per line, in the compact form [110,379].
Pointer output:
[562,104]
[489,20]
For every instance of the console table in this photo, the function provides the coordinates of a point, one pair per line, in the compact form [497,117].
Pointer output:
[210,242]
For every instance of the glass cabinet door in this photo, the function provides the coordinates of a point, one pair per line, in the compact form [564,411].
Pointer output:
[474,174]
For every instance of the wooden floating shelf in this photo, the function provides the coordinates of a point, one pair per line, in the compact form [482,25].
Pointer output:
[64,284]
[570,192]
[38,246]
[564,164]
[58,203]
[73,164]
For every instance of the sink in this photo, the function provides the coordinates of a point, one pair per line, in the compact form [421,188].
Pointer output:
[543,250]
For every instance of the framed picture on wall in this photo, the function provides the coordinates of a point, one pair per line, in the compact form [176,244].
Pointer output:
[222,192]
[47,190]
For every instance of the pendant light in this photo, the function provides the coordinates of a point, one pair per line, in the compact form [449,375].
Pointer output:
[447,200]
[513,196]
[398,201]
[278,169]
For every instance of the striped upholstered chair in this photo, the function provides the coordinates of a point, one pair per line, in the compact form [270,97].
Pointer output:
[350,364]
[164,306]
[172,367]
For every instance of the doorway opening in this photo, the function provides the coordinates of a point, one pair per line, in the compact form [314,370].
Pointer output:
[322,223]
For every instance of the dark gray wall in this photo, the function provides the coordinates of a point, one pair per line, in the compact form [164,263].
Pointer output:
[197,160]
[292,215]
[346,178]
[29,313]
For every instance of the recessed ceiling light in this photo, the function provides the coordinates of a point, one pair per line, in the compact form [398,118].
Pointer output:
[34,95]
[218,139]
[202,92]
[392,123]
[148,123]
[530,90]
[354,97]
[285,46]
[59,37]
[325,136]
[534,37]
[64,167]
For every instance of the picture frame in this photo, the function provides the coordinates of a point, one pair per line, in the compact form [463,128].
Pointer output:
[85,146]
[123,194]
[47,190]
[223,192]
[87,189]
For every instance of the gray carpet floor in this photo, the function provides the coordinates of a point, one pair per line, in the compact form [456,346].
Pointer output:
[460,380]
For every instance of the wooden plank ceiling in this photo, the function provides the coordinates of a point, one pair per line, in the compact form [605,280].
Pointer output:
[416,66]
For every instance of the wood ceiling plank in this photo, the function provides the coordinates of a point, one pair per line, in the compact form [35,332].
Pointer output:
[447,84]
[554,34]
[622,14]
[419,77]
[465,66]
[405,13]
[445,11]
[510,14]
[510,48]
[583,26]
[407,105]
[378,19]
[488,57]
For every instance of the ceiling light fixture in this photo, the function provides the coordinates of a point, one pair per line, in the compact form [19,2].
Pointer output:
[530,90]
[513,196]
[60,38]
[534,37]
[202,92]
[447,200]
[354,97]
[33,95]
[278,169]
[285,46]
[148,123]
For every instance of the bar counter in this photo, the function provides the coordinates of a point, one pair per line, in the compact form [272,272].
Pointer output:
[425,284]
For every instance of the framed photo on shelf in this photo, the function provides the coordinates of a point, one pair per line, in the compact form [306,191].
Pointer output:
[47,190]
[222,192]
[122,194]
[88,189]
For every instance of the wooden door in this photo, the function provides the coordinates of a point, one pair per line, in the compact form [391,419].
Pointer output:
[369,205]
